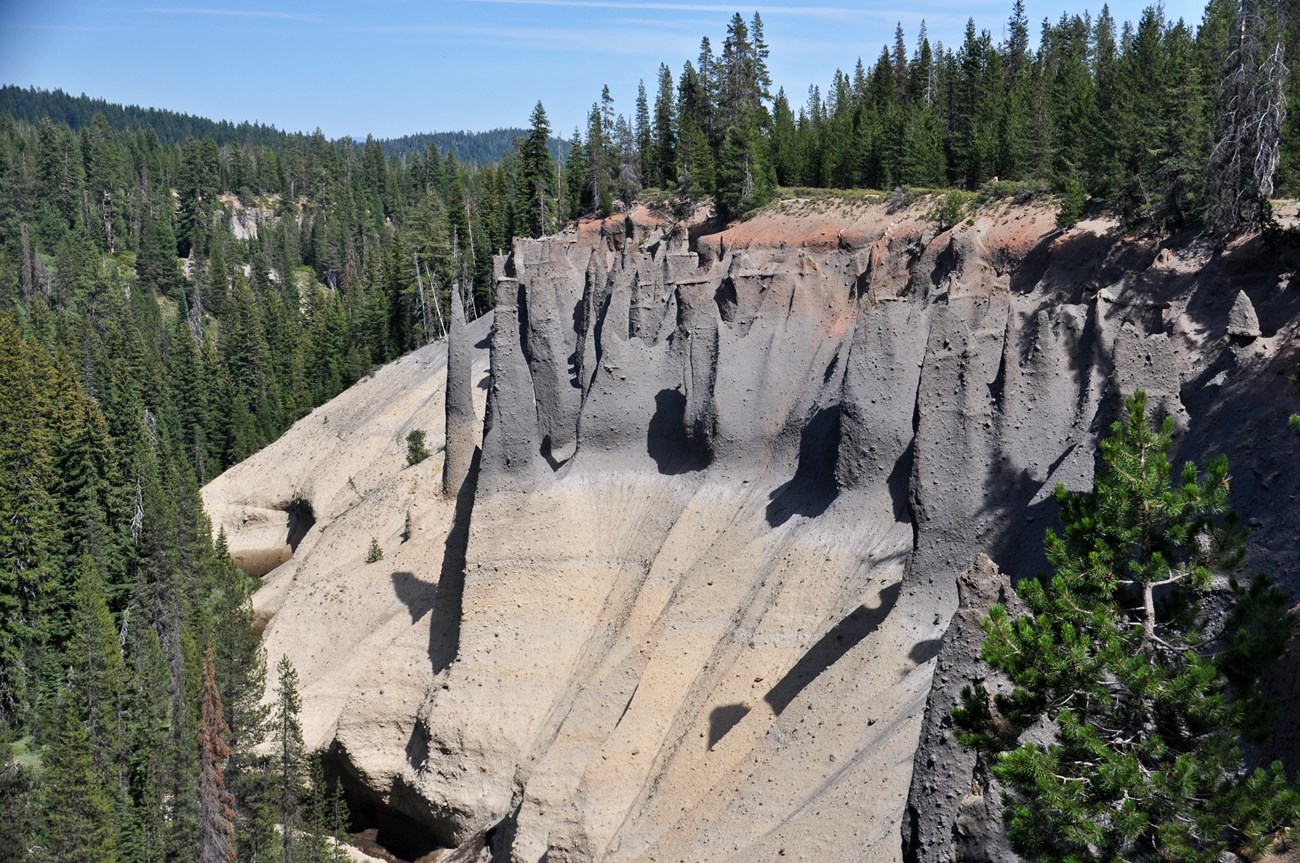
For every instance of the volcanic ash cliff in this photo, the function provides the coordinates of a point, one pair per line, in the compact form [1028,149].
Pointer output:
[688,601]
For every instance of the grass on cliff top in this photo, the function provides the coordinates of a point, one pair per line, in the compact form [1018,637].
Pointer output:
[807,193]
[809,201]
[802,200]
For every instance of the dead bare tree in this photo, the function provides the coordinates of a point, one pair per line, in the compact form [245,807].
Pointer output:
[28,280]
[437,305]
[426,323]
[468,293]
[196,311]
[1248,121]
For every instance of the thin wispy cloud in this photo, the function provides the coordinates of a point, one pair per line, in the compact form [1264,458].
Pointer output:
[600,40]
[836,12]
[231,13]
[63,28]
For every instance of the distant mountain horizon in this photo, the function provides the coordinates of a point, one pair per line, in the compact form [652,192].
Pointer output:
[32,104]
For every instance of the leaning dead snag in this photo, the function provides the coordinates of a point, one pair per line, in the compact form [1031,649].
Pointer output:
[1248,120]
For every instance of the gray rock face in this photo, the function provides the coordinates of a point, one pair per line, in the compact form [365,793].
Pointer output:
[953,810]
[459,401]
[1242,321]
[673,431]
[728,484]
[511,441]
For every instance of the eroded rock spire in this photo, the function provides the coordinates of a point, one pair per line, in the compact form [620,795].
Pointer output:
[459,402]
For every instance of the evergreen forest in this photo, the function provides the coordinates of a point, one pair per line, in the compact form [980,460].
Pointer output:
[175,292]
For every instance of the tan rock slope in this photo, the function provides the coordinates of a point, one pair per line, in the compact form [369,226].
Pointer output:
[357,633]
[687,604]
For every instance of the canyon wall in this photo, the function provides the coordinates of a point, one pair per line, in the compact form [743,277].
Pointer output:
[687,603]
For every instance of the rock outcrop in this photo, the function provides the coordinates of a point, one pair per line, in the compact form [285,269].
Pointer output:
[461,422]
[728,481]
[1242,320]
[953,809]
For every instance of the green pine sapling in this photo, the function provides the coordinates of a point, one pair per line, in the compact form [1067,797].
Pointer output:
[416,451]
[1145,699]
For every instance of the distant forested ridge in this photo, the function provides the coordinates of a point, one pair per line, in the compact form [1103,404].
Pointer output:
[34,105]
[484,148]
[288,269]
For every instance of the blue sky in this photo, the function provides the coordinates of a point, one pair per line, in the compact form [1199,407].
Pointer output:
[391,67]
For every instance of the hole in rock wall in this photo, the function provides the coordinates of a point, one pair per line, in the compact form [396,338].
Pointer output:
[258,559]
[376,828]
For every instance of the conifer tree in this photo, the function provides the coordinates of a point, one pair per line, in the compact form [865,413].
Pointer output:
[59,182]
[602,157]
[696,177]
[575,175]
[923,162]
[27,528]
[97,675]
[784,142]
[1147,700]
[664,153]
[18,803]
[325,818]
[536,177]
[643,134]
[156,261]
[290,756]
[627,182]
[744,174]
[147,710]
[240,663]
[78,804]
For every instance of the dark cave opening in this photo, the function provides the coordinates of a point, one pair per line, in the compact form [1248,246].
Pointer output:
[257,561]
[375,827]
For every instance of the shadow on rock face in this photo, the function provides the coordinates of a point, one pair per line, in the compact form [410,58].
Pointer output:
[830,648]
[923,651]
[666,439]
[723,719]
[444,626]
[812,489]
[416,595]
[301,520]
[443,598]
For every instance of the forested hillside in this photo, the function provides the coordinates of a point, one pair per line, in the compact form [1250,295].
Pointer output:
[166,310]
[274,276]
